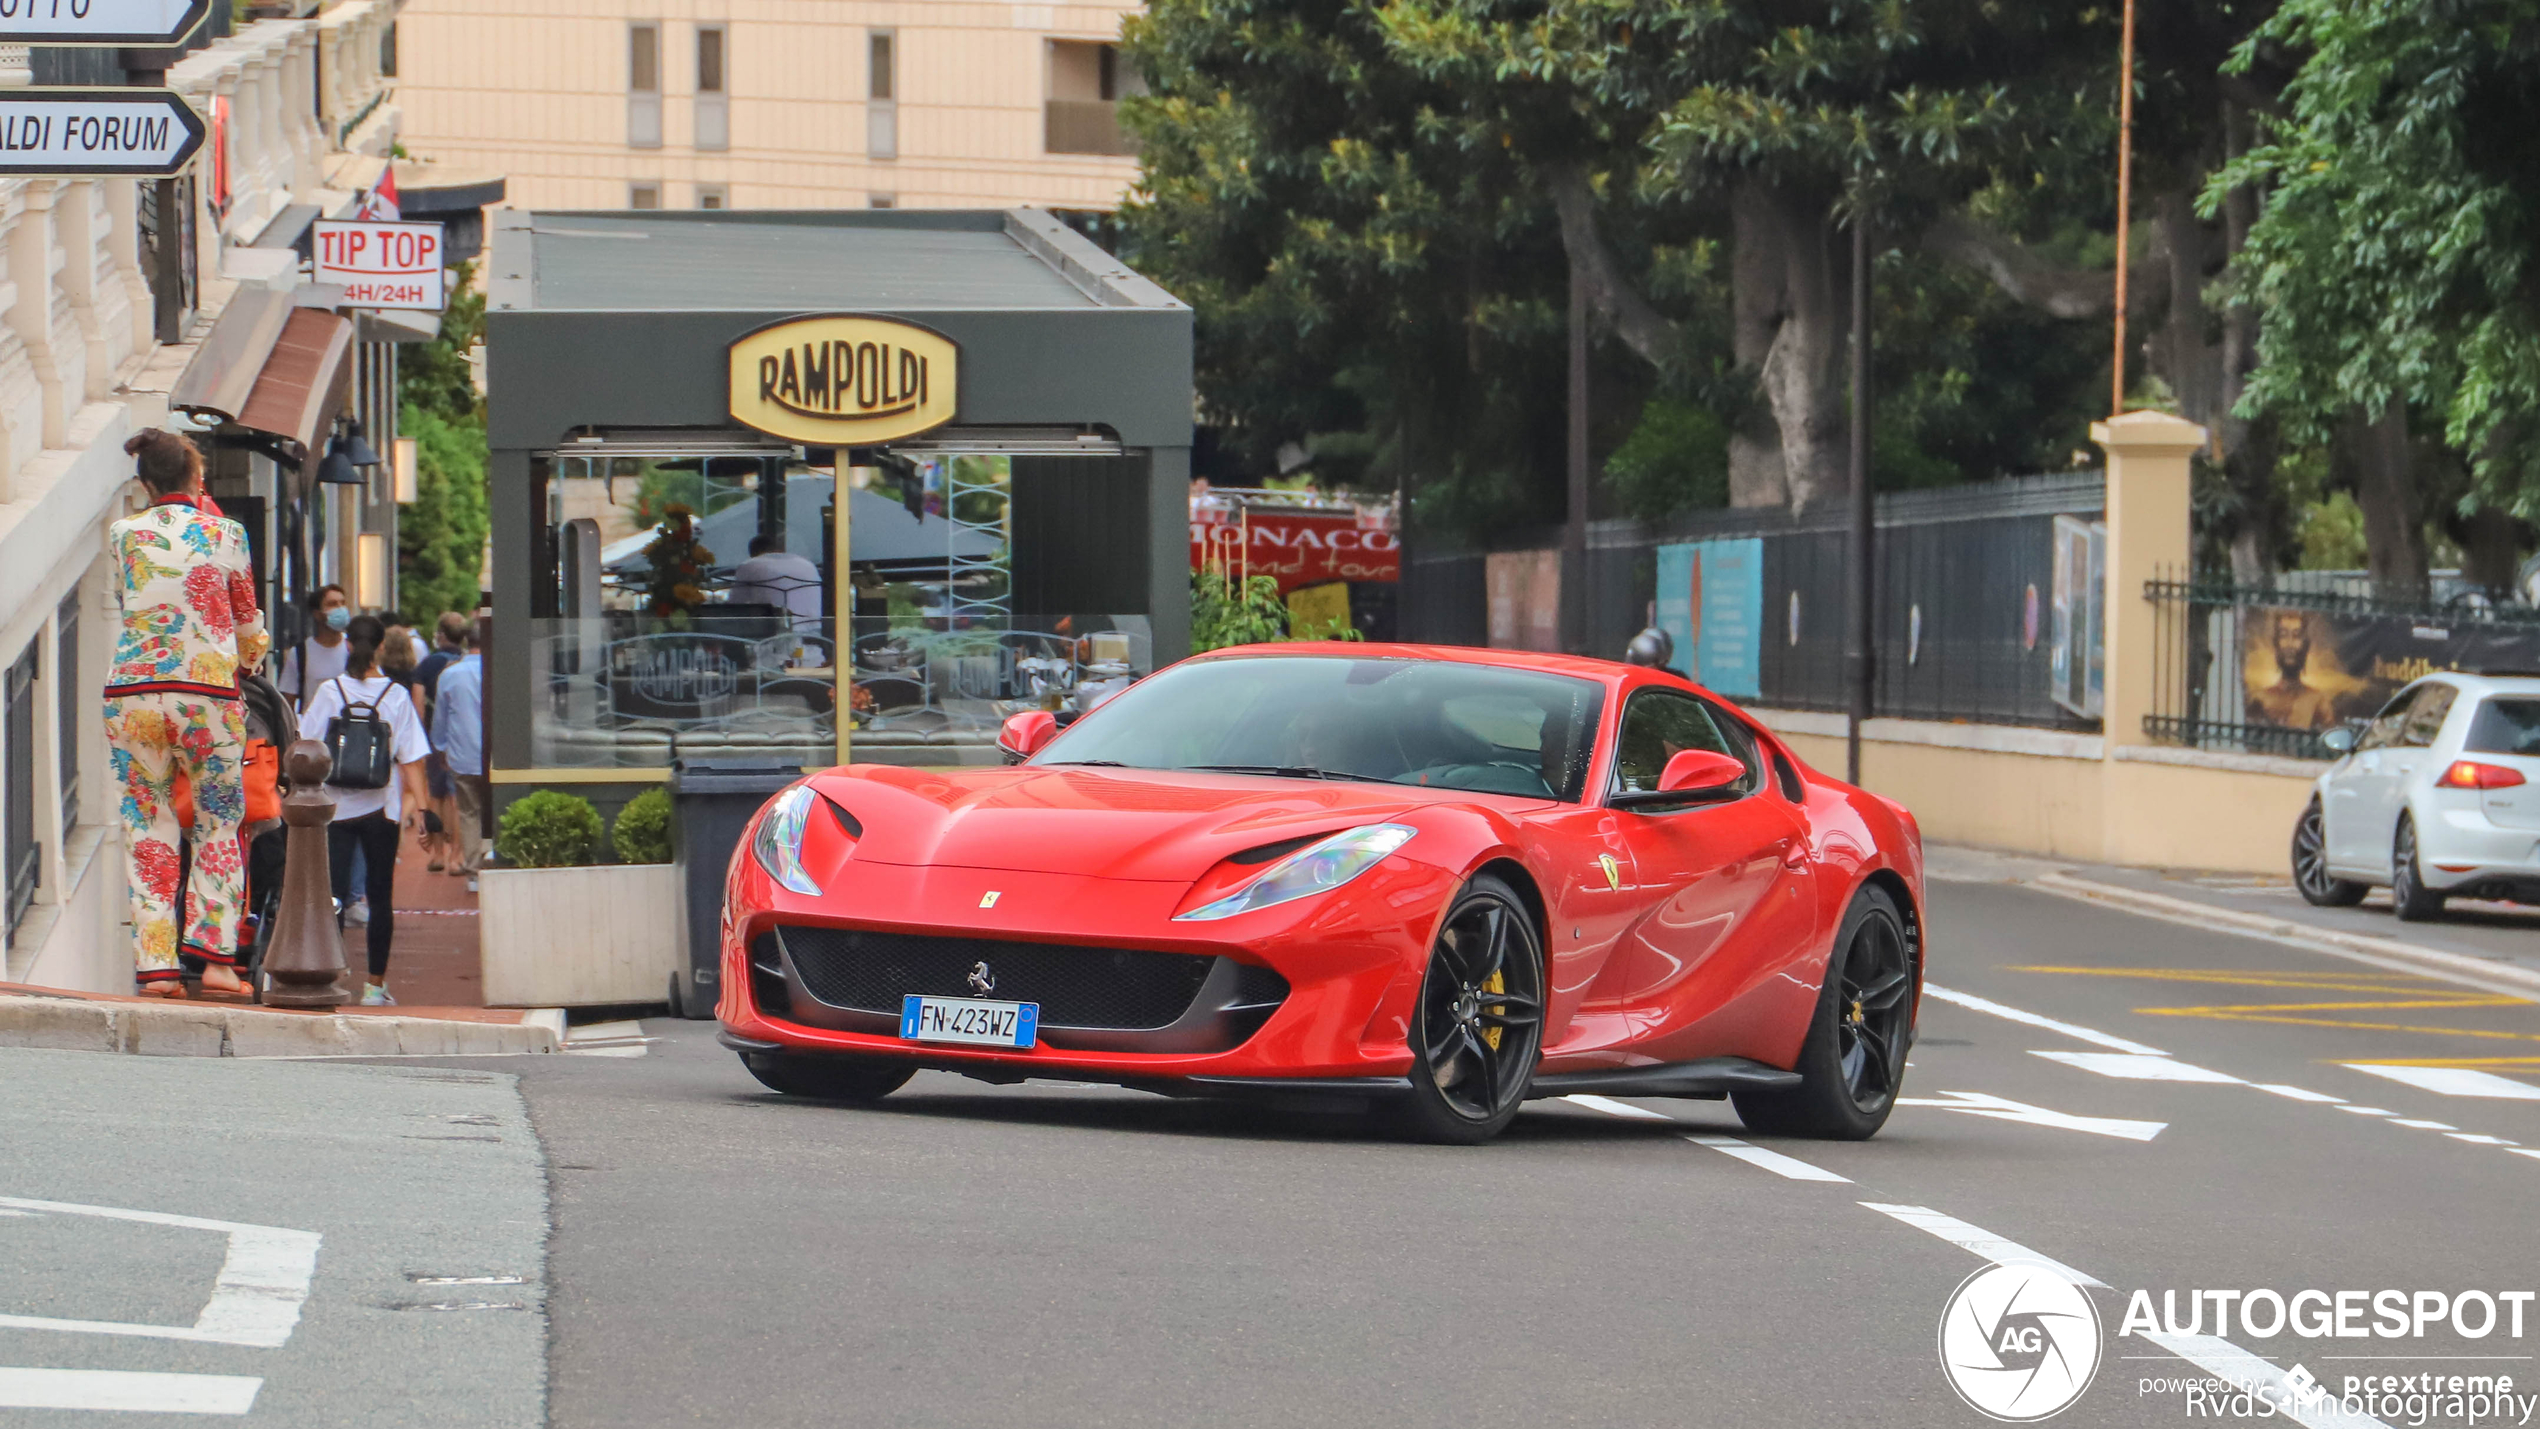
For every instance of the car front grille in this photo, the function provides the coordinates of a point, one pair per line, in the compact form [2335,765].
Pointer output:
[1116,988]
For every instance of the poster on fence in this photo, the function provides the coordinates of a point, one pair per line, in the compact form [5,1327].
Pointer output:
[1524,591]
[1711,603]
[2310,669]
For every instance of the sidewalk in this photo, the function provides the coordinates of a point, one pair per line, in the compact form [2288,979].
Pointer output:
[2494,944]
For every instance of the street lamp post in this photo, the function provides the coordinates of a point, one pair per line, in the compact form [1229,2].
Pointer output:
[1858,652]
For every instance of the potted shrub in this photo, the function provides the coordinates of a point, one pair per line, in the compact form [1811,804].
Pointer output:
[562,928]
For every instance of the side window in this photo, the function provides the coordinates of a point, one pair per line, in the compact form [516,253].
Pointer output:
[1661,723]
[2425,717]
[2384,729]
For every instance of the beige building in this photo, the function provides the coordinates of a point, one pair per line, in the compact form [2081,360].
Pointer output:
[771,103]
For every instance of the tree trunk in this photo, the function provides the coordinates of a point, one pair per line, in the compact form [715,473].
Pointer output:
[1789,329]
[2374,454]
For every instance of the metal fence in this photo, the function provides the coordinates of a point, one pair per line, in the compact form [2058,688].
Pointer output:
[2266,669]
[1964,620]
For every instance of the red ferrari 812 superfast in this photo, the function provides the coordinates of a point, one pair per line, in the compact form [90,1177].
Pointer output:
[1439,880]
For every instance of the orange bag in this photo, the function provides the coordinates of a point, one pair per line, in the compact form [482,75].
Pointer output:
[263,774]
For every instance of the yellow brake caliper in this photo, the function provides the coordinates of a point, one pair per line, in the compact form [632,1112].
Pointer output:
[1496,982]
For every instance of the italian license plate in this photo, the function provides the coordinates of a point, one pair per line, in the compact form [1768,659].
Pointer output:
[965,1019]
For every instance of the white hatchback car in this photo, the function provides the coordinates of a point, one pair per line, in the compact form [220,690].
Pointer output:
[2436,796]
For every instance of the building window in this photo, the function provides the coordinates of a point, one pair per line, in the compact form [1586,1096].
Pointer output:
[20,858]
[1087,81]
[643,86]
[713,196]
[714,124]
[70,710]
[388,51]
[645,194]
[881,96]
[881,200]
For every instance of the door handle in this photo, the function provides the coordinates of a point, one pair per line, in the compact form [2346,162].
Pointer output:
[1795,855]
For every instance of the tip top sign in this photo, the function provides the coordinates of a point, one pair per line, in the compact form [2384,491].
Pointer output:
[381,265]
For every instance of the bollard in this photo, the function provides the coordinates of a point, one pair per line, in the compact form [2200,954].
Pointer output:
[304,967]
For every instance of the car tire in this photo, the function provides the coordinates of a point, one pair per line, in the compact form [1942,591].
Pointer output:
[834,1079]
[1474,1045]
[1853,1062]
[2311,877]
[2409,897]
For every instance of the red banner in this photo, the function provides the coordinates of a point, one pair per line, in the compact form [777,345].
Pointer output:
[1298,549]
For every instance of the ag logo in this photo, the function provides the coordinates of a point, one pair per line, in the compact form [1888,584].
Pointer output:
[2019,1342]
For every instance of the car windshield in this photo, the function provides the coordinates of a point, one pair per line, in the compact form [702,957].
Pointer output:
[1434,723]
[2506,726]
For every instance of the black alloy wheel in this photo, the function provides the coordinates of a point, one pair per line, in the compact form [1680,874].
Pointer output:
[1478,1028]
[1854,1059]
[2409,897]
[836,1079]
[2311,877]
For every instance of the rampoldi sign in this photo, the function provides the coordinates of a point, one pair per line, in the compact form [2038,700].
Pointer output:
[844,381]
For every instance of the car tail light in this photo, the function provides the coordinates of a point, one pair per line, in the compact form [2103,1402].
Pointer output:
[2469,774]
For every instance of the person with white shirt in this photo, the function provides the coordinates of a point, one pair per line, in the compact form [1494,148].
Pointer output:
[323,651]
[368,819]
[776,577]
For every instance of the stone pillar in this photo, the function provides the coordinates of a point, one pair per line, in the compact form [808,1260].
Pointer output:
[2148,539]
[304,964]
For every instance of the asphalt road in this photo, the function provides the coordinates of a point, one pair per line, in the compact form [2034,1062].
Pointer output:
[1076,1256]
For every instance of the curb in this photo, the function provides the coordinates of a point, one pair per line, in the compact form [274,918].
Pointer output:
[71,1024]
[2485,974]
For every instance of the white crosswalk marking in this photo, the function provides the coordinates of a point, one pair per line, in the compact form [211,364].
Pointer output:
[2454,1081]
[2135,1067]
[1786,1166]
[130,1391]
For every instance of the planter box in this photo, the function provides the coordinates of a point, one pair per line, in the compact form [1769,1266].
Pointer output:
[580,937]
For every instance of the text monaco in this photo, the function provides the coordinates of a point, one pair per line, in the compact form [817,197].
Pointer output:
[2330,1314]
[85,133]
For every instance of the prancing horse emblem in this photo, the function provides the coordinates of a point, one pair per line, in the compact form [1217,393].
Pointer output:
[982,981]
[1613,872]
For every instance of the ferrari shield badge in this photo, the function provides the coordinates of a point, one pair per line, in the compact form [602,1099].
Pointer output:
[1613,872]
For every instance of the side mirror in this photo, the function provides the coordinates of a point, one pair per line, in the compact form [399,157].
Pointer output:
[1691,774]
[2340,740]
[1696,771]
[1025,733]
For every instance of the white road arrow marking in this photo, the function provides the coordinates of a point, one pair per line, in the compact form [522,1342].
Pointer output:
[1988,1006]
[255,1301]
[2004,1109]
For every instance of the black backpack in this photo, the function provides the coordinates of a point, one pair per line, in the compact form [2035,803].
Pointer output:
[361,743]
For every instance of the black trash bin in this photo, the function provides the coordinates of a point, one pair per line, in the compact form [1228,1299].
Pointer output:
[711,803]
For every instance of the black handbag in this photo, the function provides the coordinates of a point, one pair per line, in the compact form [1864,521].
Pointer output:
[361,744]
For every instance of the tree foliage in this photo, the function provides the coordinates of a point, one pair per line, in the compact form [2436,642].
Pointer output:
[2394,263]
[441,533]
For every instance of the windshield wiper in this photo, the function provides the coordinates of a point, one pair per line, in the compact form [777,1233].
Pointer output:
[1288,771]
[1087,763]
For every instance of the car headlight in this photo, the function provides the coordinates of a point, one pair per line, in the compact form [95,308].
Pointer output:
[778,844]
[1316,868]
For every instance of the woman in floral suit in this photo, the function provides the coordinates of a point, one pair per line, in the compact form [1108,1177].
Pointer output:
[190,626]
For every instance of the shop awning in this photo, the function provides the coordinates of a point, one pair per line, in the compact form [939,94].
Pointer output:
[305,378]
[270,367]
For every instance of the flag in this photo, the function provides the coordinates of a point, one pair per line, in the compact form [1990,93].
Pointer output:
[380,204]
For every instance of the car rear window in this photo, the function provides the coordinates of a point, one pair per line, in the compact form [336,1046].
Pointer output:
[2506,726]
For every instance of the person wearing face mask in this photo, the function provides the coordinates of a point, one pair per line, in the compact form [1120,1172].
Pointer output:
[322,653]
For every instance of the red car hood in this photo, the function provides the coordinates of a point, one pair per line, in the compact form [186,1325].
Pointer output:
[1112,823]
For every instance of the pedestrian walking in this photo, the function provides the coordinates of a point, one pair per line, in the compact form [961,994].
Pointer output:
[320,653]
[449,641]
[190,628]
[370,728]
[458,731]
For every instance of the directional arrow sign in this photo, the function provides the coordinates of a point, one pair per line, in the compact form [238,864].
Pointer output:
[99,22]
[62,133]
[2004,1109]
